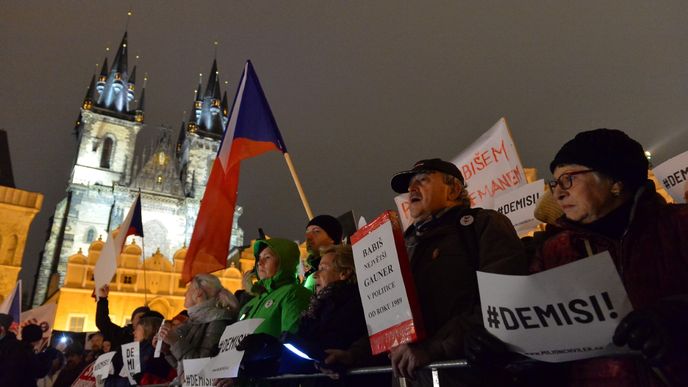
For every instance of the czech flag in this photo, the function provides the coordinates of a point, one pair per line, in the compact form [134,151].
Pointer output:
[251,131]
[12,306]
[107,262]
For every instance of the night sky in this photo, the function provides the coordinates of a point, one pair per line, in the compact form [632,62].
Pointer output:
[360,89]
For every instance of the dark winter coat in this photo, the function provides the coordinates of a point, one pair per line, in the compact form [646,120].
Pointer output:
[445,253]
[651,256]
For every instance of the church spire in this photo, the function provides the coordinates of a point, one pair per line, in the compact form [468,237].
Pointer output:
[116,87]
[208,111]
[121,58]
[102,78]
[88,99]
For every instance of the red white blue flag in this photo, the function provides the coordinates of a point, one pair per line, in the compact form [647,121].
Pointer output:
[251,131]
[107,262]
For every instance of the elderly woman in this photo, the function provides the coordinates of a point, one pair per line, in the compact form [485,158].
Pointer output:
[333,325]
[600,183]
[211,308]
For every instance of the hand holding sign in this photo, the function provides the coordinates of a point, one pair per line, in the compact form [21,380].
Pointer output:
[548,317]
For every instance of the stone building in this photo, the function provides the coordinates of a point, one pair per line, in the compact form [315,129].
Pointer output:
[18,208]
[110,169]
[156,281]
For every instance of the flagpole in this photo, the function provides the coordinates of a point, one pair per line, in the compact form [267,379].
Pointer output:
[299,188]
[143,254]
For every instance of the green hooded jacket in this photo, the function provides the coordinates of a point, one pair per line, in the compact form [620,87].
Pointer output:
[283,299]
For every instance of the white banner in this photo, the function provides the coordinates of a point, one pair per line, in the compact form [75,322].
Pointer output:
[193,373]
[673,174]
[519,206]
[226,363]
[103,364]
[403,203]
[131,356]
[562,314]
[491,166]
[158,344]
[43,316]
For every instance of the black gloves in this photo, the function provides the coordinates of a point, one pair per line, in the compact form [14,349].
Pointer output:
[483,350]
[656,331]
[260,346]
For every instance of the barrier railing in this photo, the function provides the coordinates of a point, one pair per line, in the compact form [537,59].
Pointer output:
[433,367]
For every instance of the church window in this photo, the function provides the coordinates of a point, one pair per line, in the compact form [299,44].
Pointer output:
[128,279]
[106,154]
[90,235]
[76,323]
[159,180]
[161,158]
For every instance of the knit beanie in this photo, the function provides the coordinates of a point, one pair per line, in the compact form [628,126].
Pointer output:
[331,226]
[609,151]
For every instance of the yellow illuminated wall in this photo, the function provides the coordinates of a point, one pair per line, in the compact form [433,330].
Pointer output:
[17,210]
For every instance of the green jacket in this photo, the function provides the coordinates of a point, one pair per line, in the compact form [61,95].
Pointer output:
[282,299]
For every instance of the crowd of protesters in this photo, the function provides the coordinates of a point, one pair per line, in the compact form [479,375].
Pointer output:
[603,201]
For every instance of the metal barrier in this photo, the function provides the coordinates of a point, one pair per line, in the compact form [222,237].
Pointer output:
[433,367]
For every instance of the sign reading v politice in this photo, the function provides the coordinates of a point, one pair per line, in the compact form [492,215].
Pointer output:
[387,291]
[491,165]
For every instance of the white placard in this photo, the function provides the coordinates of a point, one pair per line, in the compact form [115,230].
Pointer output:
[519,206]
[403,203]
[490,166]
[388,314]
[193,373]
[103,364]
[43,316]
[131,357]
[673,174]
[158,344]
[562,314]
[226,363]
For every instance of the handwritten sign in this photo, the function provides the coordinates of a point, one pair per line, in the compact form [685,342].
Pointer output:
[550,317]
[385,283]
[131,357]
[403,209]
[103,364]
[490,166]
[519,206]
[86,378]
[226,363]
[673,174]
[193,373]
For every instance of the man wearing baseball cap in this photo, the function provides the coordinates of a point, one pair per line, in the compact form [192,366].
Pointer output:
[446,244]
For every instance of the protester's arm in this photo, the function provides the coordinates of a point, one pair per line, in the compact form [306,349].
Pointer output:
[110,330]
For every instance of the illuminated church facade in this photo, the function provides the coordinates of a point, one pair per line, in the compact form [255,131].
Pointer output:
[107,175]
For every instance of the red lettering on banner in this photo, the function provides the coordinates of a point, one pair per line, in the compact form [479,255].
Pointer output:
[481,160]
[511,178]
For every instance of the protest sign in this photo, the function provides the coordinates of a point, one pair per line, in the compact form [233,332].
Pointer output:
[131,357]
[158,344]
[226,363]
[519,206]
[490,165]
[403,209]
[562,314]
[673,174]
[193,373]
[43,316]
[86,378]
[387,291]
[103,364]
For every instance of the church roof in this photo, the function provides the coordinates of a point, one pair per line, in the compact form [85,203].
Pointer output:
[159,173]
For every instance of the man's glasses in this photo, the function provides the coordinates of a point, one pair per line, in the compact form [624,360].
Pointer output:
[565,181]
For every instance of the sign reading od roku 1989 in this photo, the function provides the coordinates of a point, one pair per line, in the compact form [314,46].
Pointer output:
[380,281]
